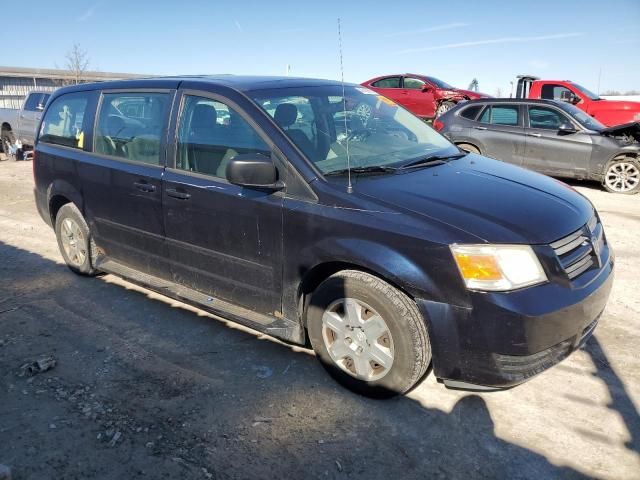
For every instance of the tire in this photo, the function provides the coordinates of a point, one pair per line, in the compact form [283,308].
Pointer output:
[399,344]
[444,107]
[74,240]
[622,175]
[467,147]
[8,138]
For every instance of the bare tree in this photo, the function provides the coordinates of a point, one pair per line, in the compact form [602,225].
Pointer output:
[77,62]
[498,92]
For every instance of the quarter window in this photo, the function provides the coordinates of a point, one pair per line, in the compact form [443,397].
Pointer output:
[210,134]
[63,123]
[391,82]
[130,126]
[501,115]
[546,118]
[471,112]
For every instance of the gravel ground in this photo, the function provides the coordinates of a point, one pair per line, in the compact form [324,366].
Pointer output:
[147,387]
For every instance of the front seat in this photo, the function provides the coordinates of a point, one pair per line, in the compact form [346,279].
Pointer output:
[204,151]
[286,115]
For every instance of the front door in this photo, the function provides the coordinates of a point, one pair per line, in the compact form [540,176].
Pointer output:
[419,97]
[500,133]
[551,151]
[122,180]
[224,240]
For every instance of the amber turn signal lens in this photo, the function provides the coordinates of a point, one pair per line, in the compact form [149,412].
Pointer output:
[478,267]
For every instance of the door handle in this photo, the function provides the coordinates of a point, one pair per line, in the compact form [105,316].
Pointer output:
[145,187]
[480,128]
[172,192]
[538,135]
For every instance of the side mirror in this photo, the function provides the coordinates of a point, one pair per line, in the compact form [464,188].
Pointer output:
[253,170]
[426,88]
[566,128]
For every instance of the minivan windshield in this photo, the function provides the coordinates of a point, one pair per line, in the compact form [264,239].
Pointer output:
[373,130]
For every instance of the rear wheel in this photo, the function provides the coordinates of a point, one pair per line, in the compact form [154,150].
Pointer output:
[74,240]
[444,107]
[8,139]
[622,175]
[367,334]
[467,147]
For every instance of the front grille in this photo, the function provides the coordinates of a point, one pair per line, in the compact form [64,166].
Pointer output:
[581,250]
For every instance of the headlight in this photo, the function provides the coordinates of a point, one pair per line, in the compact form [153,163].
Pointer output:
[498,267]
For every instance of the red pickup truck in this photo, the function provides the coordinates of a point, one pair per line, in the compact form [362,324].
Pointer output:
[608,112]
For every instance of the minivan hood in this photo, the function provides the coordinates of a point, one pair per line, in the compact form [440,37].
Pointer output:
[492,200]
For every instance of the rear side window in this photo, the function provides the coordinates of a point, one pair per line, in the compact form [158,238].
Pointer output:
[500,115]
[131,126]
[391,82]
[63,123]
[471,112]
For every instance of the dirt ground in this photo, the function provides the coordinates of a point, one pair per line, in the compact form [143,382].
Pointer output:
[146,387]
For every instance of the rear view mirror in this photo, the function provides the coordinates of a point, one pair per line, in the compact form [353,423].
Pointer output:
[566,128]
[253,170]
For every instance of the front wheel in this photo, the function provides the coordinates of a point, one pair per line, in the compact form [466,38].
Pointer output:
[444,107]
[368,335]
[467,147]
[622,175]
[8,139]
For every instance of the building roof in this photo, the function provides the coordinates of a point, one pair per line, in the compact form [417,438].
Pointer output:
[61,74]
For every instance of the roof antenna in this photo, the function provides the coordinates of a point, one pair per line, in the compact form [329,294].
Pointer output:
[344,109]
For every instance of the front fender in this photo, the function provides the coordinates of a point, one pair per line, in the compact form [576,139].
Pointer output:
[380,259]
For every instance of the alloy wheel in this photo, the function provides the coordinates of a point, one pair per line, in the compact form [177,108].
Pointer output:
[358,339]
[622,177]
[73,242]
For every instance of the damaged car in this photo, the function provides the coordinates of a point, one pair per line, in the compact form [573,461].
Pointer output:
[552,137]
[425,96]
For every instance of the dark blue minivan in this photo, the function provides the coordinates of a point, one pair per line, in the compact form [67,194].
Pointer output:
[324,215]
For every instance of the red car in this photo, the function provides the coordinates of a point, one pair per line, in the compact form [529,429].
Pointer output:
[608,112]
[426,97]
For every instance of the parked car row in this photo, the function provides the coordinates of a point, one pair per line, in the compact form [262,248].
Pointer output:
[377,242]
[554,127]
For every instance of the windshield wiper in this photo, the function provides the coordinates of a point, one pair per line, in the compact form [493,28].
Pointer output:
[431,161]
[370,169]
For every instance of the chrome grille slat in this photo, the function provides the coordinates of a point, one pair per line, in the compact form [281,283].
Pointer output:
[573,244]
[579,267]
[575,252]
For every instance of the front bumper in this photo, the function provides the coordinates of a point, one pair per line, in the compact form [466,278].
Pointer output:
[504,339]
